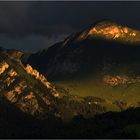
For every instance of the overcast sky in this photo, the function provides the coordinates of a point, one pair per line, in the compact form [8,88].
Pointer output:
[31,26]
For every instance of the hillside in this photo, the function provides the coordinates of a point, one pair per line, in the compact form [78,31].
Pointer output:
[101,61]
[30,92]
[31,107]
[25,87]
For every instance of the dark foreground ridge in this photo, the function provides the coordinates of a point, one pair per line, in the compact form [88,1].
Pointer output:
[16,124]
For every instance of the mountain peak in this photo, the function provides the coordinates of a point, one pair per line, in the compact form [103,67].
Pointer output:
[104,22]
[109,30]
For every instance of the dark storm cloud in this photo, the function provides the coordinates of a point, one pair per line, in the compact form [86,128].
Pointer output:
[23,18]
[30,43]
[22,22]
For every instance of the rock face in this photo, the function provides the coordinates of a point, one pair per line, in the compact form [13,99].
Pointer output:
[119,80]
[15,54]
[25,88]
[110,30]
[3,67]
[103,45]
[40,77]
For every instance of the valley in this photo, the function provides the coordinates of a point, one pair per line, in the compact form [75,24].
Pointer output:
[90,79]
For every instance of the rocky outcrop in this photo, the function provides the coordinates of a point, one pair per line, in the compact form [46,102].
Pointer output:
[14,53]
[111,31]
[12,95]
[40,77]
[25,87]
[3,67]
[119,80]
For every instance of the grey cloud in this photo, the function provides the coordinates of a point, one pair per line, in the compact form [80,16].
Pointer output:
[35,25]
[23,18]
[31,43]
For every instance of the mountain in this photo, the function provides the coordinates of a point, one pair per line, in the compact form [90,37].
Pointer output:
[93,93]
[30,106]
[101,61]
[31,93]
[110,31]
[102,44]
[25,87]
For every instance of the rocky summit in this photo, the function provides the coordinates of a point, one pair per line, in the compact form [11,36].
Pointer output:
[111,31]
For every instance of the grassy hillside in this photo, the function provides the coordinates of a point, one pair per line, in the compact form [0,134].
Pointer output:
[30,95]
[126,95]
